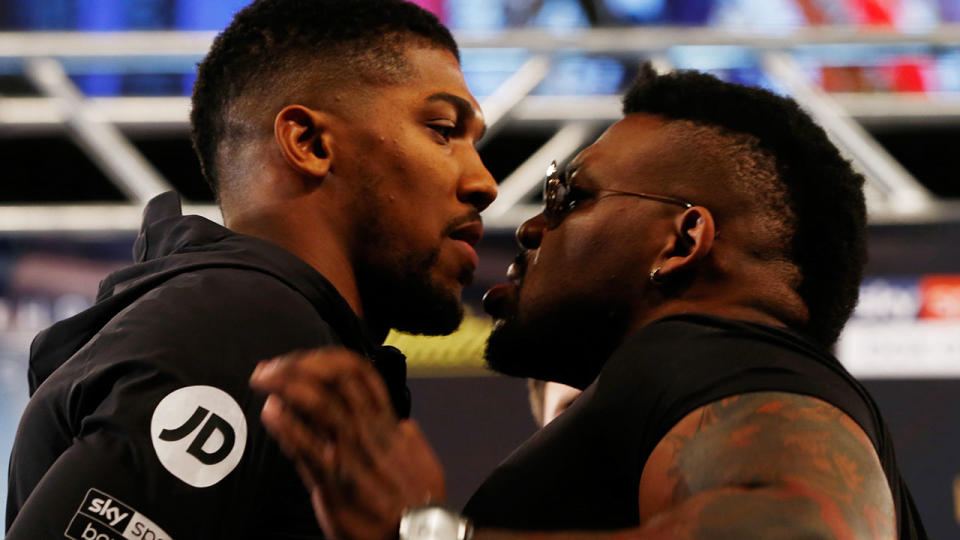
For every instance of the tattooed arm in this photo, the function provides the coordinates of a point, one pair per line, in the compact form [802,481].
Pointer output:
[759,465]
[764,463]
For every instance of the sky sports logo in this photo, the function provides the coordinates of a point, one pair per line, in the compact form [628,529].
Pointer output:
[102,517]
[902,298]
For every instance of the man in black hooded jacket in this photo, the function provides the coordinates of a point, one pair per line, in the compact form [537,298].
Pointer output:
[339,139]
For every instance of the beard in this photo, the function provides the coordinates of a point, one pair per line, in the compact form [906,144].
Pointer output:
[567,344]
[401,294]
[396,287]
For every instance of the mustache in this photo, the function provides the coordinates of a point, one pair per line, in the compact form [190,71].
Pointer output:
[470,217]
[520,261]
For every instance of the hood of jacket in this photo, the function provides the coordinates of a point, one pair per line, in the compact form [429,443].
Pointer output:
[170,244]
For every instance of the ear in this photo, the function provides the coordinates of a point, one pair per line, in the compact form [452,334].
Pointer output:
[304,138]
[694,232]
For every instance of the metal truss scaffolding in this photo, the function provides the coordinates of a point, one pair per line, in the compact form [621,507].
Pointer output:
[97,125]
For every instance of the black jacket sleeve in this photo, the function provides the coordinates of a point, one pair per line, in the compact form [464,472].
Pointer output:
[151,430]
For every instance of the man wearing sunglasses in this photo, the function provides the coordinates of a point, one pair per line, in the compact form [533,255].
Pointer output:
[689,271]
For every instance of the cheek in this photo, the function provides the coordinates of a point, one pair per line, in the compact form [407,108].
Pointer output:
[560,271]
[414,158]
[597,266]
[583,255]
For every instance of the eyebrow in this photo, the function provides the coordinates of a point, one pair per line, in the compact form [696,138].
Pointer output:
[464,108]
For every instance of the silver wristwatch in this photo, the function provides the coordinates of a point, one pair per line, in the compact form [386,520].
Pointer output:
[431,522]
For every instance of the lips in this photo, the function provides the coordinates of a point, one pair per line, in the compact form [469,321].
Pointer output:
[470,232]
[515,272]
[501,300]
[466,236]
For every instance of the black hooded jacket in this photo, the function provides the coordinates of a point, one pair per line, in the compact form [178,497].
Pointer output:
[141,422]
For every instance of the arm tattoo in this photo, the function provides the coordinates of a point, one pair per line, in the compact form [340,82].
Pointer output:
[765,465]
[785,461]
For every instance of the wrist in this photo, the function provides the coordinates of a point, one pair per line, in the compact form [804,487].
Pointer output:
[434,522]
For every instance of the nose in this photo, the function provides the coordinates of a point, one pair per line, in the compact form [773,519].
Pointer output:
[530,232]
[477,187]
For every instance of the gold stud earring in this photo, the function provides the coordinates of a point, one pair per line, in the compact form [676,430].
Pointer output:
[654,276]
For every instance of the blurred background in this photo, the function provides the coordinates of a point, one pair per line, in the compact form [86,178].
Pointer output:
[93,122]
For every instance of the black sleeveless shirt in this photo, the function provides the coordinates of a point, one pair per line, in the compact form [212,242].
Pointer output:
[582,471]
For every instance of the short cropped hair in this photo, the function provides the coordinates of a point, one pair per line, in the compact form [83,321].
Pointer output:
[276,50]
[827,213]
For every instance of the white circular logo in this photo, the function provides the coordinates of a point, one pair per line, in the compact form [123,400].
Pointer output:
[199,433]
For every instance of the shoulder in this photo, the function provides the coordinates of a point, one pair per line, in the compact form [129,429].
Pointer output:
[225,292]
[784,444]
[229,313]
[209,327]
[164,386]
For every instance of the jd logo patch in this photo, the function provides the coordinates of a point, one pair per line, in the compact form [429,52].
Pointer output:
[199,433]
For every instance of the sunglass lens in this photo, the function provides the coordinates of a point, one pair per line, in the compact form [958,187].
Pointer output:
[552,195]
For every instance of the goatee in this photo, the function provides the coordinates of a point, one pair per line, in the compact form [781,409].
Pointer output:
[568,345]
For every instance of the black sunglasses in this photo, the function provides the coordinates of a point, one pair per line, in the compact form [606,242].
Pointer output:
[559,200]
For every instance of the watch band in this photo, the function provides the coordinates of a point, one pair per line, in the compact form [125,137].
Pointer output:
[434,522]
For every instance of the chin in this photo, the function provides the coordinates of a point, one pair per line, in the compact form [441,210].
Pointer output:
[429,317]
[406,294]
[425,307]
[565,345]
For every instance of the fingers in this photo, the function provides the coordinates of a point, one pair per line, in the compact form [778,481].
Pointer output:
[338,393]
[324,398]
[351,492]
[330,412]
[299,442]
[338,468]
[334,373]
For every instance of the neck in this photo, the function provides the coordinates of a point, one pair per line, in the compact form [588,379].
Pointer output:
[764,301]
[742,313]
[314,243]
